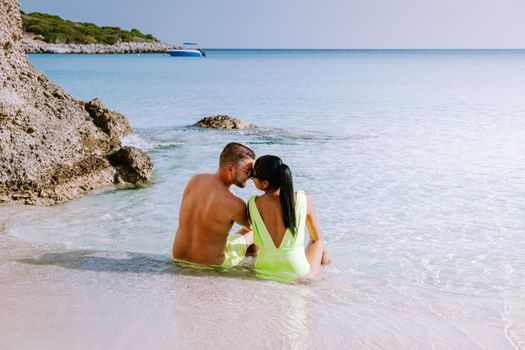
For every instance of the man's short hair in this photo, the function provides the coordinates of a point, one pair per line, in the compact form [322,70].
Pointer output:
[233,153]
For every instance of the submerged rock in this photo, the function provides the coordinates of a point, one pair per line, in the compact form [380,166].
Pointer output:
[53,147]
[224,122]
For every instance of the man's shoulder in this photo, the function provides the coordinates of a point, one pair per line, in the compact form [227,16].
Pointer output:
[214,188]
[232,201]
[201,176]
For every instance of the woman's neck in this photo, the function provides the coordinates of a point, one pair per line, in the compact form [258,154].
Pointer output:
[272,193]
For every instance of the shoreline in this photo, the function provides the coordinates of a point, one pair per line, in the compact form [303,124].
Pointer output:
[57,297]
[37,46]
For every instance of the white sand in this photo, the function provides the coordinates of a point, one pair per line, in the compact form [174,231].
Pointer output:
[54,298]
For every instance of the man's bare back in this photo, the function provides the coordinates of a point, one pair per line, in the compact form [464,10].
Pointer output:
[207,213]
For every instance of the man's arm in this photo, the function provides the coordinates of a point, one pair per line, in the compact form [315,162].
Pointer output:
[241,218]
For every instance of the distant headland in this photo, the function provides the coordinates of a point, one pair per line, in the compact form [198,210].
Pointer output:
[44,33]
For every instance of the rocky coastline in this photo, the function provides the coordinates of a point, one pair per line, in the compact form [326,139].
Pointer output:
[31,45]
[53,147]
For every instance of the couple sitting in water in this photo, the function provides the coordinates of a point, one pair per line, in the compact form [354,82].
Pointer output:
[278,219]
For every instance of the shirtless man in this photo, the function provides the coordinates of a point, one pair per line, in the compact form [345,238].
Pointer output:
[209,209]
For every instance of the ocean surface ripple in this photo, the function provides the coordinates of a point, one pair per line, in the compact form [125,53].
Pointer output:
[415,159]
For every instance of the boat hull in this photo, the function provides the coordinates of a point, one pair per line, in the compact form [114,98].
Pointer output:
[185,53]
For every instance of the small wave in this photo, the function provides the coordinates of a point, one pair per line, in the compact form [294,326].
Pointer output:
[7,214]
[134,140]
[283,136]
[271,142]
[167,145]
[148,145]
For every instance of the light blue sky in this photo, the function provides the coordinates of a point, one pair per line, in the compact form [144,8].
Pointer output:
[308,23]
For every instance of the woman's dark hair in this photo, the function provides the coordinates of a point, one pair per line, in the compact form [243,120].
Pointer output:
[272,169]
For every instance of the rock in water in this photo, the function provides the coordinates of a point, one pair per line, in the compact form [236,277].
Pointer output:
[53,147]
[224,122]
[132,164]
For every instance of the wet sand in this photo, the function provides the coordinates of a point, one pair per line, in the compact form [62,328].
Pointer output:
[55,298]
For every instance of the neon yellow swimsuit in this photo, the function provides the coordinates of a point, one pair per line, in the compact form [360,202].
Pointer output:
[289,260]
[234,253]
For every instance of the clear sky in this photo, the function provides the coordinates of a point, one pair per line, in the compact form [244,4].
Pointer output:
[308,23]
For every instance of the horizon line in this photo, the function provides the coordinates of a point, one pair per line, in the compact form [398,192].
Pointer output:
[361,49]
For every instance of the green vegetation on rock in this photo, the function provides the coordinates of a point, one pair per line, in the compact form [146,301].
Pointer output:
[53,29]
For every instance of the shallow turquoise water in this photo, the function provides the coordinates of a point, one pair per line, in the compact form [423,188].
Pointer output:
[415,159]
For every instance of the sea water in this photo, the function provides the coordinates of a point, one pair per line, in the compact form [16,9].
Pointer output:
[415,159]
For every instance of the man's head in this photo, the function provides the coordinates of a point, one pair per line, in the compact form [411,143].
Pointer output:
[236,161]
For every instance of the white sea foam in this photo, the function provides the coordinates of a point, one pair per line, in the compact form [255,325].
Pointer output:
[135,140]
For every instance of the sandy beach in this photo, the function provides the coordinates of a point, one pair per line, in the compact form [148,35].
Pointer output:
[56,298]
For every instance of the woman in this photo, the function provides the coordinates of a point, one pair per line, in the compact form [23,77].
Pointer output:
[279,218]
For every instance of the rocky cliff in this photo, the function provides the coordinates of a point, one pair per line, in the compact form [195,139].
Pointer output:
[52,146]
